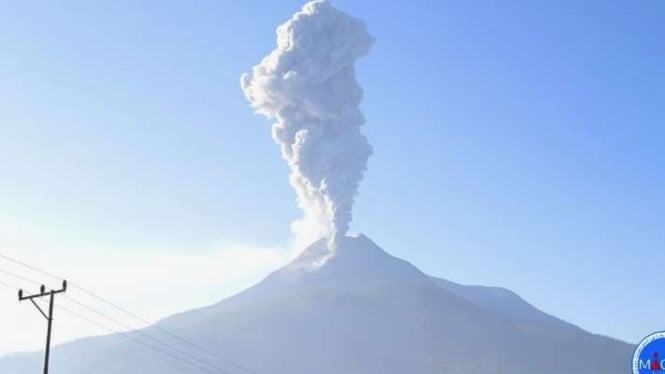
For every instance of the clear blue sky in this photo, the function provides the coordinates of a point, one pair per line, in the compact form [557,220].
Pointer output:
[516,143]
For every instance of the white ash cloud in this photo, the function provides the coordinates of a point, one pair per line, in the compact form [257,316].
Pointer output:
[308,84]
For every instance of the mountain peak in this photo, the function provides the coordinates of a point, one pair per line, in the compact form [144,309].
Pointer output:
[350,259]
[350,248]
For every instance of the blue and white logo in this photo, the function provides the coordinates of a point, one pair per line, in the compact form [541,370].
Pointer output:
[649,356]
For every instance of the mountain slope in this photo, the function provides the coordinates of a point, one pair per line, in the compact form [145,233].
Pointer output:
[359,311]
[502,301]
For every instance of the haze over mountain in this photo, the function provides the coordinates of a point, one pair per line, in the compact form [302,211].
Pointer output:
[357,311]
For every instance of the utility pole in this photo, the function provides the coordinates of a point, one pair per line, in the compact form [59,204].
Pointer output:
[49,317]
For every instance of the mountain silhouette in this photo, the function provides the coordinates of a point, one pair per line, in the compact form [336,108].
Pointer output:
[357,310]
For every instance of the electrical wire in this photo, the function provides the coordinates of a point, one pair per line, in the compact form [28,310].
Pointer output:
[2,283]
[20,277]
[196,362]
[30,266]
[143,334]
[137,341]
[163,330]
[121,309]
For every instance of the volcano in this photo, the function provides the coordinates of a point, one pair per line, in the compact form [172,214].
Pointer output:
[356,310]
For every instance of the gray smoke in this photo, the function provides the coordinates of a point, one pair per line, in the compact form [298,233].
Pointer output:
[308,85]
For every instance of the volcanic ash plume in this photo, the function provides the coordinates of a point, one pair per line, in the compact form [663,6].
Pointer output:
[308,85]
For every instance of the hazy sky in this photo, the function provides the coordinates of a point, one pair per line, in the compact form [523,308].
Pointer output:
[517,144]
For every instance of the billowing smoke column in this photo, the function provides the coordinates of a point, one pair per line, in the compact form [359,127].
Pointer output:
[308,85]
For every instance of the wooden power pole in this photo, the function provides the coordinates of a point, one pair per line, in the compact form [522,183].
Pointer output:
[49,317]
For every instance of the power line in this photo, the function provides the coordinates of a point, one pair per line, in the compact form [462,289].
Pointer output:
[195,363]
[30,266]
[20,277]
[145,335]
[2,283]
[163,330]
[123,310]
[137,341]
